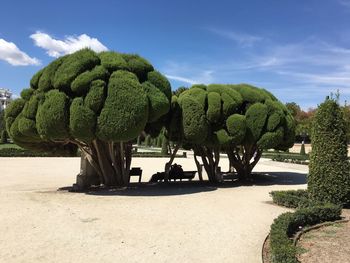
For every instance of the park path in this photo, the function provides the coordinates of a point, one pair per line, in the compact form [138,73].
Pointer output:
[181,222]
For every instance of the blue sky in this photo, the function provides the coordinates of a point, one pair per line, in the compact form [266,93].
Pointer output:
[297,49]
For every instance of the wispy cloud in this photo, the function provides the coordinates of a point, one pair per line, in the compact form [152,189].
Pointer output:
[10,53]
[345,3]
[243,39]
[56,47]
[185,73]
[304,71]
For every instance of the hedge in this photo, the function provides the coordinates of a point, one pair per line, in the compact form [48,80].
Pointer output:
[15,152]
[290,198]
[287,224]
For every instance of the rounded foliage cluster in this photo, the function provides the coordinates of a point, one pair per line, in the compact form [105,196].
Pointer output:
[231,115]
[85,96]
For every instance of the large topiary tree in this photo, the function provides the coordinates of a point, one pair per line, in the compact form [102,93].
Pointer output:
[240,120]
[98,102]
[329,170]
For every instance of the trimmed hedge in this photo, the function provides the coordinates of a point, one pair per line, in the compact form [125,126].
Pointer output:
[287,224]
[290,198]
[16,152]
[287,157]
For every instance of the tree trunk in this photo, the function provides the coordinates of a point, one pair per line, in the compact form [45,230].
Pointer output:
[168,164]
[210,161]
[199,167]
[110,161]
[244,160]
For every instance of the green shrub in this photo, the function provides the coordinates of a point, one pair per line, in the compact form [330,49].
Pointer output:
[165,144]
[329,170]
[287,224]
[125,111]
[3,137]
[302,149]
[52,116]
[148,140]
[26,94]
[193,120]
[46,79]
[256,117]
[81,84]
[138,65]
[72,66]
[96,96]
[82,123]
[34,82]
[160,82]
[236,126]
[112,61]
[214,107]
[158,102]
[18,152]
[290,198]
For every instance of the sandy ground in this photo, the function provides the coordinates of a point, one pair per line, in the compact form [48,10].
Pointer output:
[326,244]
[179,222]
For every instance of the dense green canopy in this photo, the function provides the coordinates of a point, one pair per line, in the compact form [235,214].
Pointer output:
[86,96]
[231,115]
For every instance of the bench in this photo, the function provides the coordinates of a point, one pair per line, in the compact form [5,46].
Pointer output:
[186,175]
[173,176]
[135,171]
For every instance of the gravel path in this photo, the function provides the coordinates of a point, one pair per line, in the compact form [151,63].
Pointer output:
[179,222]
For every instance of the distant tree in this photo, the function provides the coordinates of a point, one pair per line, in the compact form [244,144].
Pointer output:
[148,141]
[165,144]
[3,137]
[139,140]
[179,90]
[329,170]
[98,102]
[241,120]
[293,108]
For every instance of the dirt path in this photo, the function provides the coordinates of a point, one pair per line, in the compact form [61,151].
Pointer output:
[327,244]
[182,222]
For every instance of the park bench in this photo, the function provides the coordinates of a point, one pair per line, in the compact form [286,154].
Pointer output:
[175,173]
[135,171]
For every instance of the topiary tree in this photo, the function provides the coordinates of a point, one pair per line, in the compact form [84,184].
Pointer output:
[302,149]
[139,140]
[3,138]
[98,102]
[329,173]
[241,120]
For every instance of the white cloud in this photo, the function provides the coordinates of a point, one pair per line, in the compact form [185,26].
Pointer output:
[56,47]
[10,53]
[182,79]
[245,40]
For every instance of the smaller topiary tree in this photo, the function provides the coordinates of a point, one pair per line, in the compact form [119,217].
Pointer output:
[240,120]
[3,137]
[148,141]
[329,177]
[138,140]
[165,144]
[302,149]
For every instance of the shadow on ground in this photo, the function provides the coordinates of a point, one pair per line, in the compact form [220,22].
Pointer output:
[193,187]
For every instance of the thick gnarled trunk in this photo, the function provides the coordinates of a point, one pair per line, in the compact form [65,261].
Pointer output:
[110,162]
[243,159]
[210,158]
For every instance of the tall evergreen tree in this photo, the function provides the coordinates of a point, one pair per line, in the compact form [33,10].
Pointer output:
[329,177]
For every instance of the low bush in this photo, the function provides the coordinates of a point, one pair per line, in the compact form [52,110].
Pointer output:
[290,198]
[18,152]
[287,157]
[287,224]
